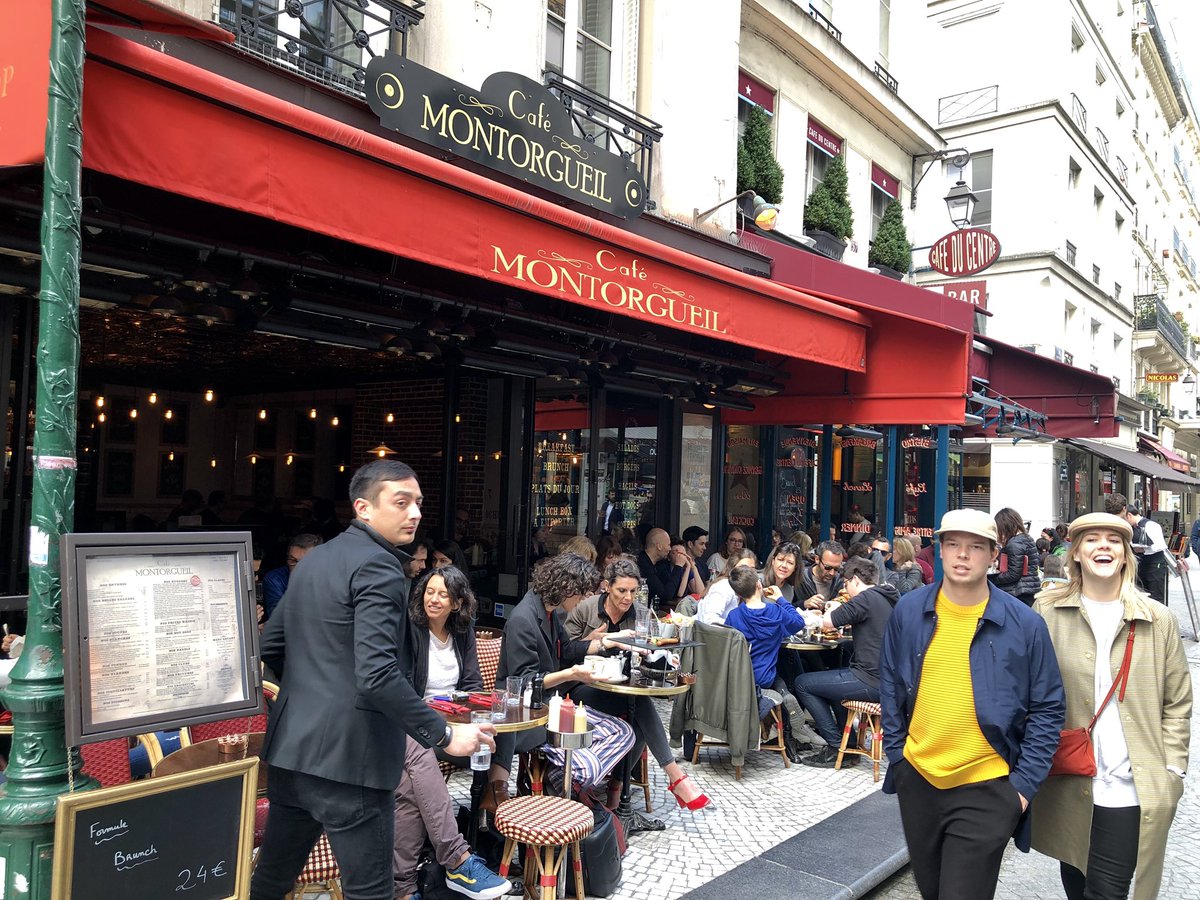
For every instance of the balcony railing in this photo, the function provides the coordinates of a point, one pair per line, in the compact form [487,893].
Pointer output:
[607,124]
[328,41]
[1122,170]
[1079,113]
[826,24]
[1150,314]
[1102,144]
[977,102]
[887,78]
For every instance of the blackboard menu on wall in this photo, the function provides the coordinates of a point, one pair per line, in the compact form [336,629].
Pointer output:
[188,835]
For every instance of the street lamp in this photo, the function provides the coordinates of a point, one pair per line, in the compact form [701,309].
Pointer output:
[762,213]
[960,203]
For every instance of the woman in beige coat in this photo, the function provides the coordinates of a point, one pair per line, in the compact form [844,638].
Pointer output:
[1113,827]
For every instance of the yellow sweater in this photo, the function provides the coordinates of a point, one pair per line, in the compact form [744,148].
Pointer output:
[944,741]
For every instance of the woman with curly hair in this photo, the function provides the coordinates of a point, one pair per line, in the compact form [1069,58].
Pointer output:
[535,643]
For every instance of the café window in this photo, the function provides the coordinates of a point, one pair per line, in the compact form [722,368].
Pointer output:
[978,175]
[751,93]
[742,470]
[858,503]
[560,473]
[918,454]
[797,460]
[695,475]
[582,42]
[628,465]
[823,146]
[884,189]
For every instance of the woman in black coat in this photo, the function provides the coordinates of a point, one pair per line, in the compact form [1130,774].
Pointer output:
[1018,560]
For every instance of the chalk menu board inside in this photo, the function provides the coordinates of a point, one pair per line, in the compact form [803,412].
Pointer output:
[187,835]
[159,631]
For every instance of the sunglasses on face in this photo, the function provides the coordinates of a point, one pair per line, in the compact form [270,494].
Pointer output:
[830,569]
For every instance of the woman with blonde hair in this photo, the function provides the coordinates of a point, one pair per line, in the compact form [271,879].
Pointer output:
[802,540]
[581,545]
[1111,828]
[720,598]
[905,575]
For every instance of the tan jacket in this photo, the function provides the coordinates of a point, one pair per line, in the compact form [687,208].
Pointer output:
[1155,716]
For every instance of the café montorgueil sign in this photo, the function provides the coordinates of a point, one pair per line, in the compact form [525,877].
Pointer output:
[964,252]
[512,124]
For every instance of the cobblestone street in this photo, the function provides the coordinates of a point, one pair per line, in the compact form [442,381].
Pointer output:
[1031,876]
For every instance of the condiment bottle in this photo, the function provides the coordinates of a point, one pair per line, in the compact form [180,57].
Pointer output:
[580,719]
[555,707]
[537,692]
[566,716]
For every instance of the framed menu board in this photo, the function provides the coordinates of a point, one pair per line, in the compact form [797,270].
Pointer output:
[159,631]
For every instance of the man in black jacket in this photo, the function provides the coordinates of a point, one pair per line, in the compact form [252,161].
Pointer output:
[823,580]
[336,735]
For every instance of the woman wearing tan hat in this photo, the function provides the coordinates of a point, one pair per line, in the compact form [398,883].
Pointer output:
[1112,828]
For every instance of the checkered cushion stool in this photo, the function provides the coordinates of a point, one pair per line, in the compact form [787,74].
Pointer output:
[321,872]
[548,826]
[868,719]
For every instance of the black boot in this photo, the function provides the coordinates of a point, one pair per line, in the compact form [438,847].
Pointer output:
[792,747]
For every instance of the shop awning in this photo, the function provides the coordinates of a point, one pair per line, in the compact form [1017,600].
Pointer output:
[1077,403]
[1170,457]
[918,348]
[1167,478]
[156,120]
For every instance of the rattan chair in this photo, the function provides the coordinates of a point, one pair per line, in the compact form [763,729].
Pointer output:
[868,719]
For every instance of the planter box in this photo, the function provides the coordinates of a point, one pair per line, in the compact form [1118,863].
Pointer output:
[889,271]
[827,245]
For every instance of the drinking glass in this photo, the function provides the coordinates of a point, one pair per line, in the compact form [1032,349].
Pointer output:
[499,706]
[642,622]
[481,758]
[512,687]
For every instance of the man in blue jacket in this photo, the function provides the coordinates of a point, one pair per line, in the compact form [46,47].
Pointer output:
[972,709]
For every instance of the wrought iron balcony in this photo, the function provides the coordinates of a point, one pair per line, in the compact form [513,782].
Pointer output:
[608,124]
[328,41]
[826,24]
[976,102]
[1079,113]
[1151,314]
[887,78]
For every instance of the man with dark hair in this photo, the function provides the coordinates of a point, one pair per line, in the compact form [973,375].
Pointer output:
[335,738]
[822,693]
[1149,544]
[972,709]
[419,553]
[823,580]
[695,539]
[275,582]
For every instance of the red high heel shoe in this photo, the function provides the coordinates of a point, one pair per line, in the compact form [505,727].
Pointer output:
[694,805]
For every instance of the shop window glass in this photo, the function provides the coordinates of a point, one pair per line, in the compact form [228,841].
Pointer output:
[918,455]
[743,480]
[560,447]
[628,464]
[857,474]
[796,464]
[977,481]
[818,162]
[695,476]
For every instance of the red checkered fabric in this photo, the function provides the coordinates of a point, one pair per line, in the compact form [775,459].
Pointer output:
[863,706]
[489,659]
[321,865]
[447,768]
[262,809]
[107,761]
[544,821]
[207,731]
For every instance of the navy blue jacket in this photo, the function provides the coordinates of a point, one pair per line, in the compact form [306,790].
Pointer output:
[1019,700]
[1195,541]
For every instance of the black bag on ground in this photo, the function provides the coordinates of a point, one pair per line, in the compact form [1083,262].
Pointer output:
[601,851]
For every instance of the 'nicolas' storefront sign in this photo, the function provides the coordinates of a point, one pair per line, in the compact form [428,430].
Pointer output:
[513,125]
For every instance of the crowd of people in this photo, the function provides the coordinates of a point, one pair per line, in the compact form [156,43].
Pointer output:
[977,674]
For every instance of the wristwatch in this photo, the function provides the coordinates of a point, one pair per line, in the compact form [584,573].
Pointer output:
[446,738]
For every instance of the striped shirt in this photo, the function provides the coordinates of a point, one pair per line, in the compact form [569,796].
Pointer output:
[944,742]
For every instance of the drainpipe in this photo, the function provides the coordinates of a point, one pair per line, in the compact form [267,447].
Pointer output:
[941,489]
[42,767]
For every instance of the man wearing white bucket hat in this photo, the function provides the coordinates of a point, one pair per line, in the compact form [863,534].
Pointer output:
[972,708]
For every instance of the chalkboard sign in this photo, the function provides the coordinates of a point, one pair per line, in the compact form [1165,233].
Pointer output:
[187,835]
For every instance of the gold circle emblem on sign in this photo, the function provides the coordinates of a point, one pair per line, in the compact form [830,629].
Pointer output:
[633,192]
[390,90]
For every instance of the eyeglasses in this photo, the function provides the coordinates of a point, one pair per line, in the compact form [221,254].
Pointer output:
[830,569]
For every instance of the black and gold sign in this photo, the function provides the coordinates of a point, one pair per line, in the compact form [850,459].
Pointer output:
[513,125]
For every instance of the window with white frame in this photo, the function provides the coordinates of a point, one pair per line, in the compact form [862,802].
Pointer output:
[884,189]
[823,146]
[885,31]
[580,41]
[980,180]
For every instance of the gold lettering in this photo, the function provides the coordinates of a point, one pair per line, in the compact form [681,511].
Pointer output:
[549,268]
[612,284]
[662,309]
[498,262]
[430,119]
[635,300]
[6,78]
[464,117]
[600,254]
[513,138]
[535,163]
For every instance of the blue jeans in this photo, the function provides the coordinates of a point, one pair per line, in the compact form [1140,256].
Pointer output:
[822,693]
[358,820]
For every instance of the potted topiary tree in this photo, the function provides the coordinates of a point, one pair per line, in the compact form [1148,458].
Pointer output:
[891,252]
[828,219]
[757,168]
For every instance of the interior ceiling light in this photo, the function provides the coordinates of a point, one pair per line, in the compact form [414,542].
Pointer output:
[198,279]
[210,314]
[382,451]
[859,432]
[209,395]
[398,345]
[166,306]
[427,350]
[246,288]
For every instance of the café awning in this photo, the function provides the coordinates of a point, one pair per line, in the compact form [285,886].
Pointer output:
[1167,478]
[1170,457]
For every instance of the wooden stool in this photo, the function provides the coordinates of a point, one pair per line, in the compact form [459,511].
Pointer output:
[868,718]
[547,826]
[321,872]
[774,717]
[643,777]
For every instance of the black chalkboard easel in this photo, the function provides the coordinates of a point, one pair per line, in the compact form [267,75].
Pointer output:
[187,835]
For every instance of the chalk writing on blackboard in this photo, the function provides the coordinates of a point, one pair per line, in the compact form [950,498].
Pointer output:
[189,879]
[101,833]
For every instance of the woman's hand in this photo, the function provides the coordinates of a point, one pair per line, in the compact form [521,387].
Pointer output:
[580,672]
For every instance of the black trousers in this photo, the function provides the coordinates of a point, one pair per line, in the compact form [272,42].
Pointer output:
[360,824]
[1153,577]
[1112,856]
[956,837]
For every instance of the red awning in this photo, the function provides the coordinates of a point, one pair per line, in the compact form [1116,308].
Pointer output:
[1077,403]
[1170,457]
[145,113]
[919,349]
[151,15]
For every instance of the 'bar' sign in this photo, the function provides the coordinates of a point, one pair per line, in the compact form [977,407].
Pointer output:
[964,252]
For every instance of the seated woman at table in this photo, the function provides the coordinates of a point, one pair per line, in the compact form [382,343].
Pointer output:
[781,574]
[534,642]
[720,599]
[441,612]
[766,626]
[905,575]
[613,611]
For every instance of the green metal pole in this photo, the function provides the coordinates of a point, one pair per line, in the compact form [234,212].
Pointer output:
[41,767]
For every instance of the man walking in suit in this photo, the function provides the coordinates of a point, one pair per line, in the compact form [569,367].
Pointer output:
[336,736]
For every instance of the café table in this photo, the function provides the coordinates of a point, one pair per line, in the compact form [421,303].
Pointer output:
[517,718]
[633,820]
[203,754]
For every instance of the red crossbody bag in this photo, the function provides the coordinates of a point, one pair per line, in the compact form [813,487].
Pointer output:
[1075,755]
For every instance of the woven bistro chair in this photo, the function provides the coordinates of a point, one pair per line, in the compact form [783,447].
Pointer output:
[548,826]
[868,719]
[320,873]
[206,731]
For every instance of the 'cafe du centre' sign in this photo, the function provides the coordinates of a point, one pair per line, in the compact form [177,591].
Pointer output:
[964,252]
[513,125]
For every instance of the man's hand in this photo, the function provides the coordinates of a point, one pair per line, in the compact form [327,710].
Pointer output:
[1024,802]
[465,739]
[816,601]
[6,644]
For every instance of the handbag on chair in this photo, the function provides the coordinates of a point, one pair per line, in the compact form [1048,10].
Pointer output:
[1075,754]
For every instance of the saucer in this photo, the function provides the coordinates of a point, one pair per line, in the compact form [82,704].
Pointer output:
[619,679]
